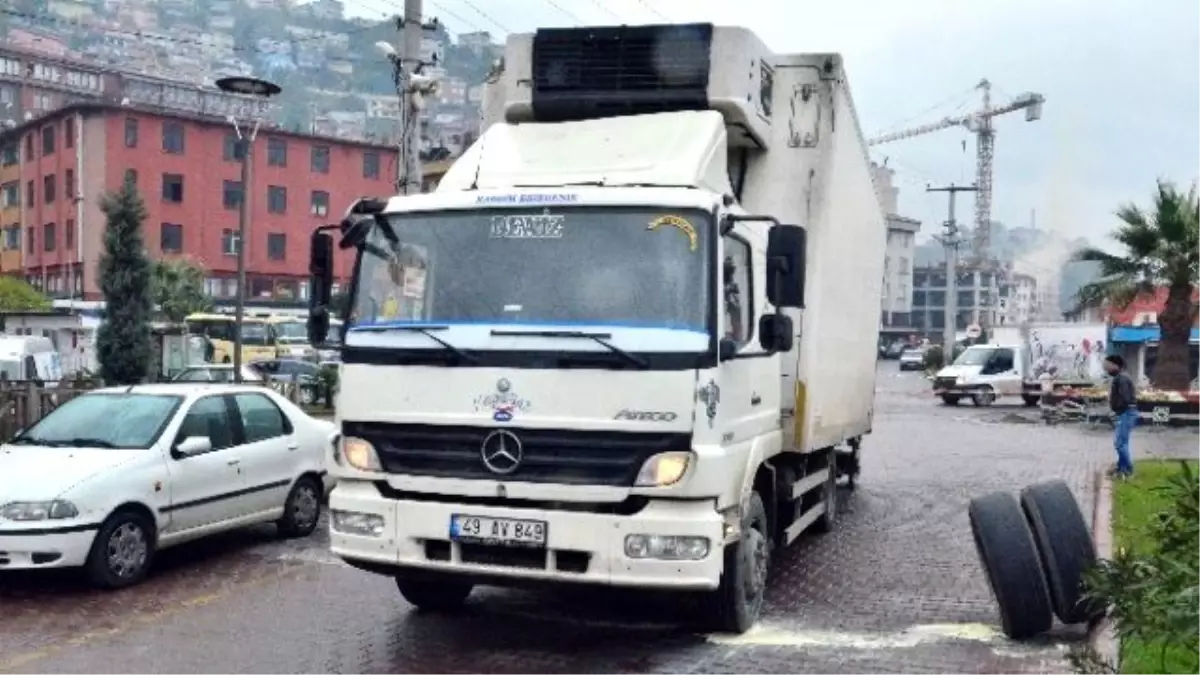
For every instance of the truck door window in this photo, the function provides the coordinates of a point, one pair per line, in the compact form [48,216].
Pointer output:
[736,291]
[1002,361]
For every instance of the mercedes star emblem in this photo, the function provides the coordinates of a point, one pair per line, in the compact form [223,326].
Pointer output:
[501,452]
[503,385]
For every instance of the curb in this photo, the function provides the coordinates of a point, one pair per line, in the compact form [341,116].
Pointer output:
[1102,636]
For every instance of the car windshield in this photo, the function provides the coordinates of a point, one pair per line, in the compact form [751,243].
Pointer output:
[254,333]
[553,268]
[974,357]
[129,421]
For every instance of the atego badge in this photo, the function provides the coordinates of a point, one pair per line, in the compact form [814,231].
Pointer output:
[646,416]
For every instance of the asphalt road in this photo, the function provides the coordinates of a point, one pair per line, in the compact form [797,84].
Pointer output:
[895,588]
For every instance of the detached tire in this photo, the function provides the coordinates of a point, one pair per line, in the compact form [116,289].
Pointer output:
[1010,560]
[1065,546]
[434,596]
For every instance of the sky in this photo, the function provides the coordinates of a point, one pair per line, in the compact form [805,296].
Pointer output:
[1121,80]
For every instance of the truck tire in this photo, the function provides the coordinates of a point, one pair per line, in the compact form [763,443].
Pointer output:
[950,399]
[1065,546]
[434,596]
[1031,401]
[1010,561]
[735,605]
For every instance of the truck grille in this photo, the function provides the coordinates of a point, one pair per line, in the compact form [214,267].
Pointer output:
[568,457]
[582,73]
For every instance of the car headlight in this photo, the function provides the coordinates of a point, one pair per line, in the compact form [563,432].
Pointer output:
[52,510]
[360,454]
[663,469]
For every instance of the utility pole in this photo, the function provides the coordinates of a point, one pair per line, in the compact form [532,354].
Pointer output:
[409,180]
[951,240]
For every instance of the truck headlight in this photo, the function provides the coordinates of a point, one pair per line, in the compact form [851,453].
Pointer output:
[24,511]
[361,524]
[663,469]
[360,454]
[666,547]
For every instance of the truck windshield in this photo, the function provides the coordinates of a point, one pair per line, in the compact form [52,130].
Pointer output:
[974,357]
[606,267]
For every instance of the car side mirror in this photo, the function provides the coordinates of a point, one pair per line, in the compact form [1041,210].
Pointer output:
[787,253]
[194,445]
[775,333]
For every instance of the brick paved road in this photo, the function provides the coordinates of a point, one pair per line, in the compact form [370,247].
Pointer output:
[896,588]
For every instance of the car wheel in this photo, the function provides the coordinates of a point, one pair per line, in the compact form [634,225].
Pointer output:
[434,595]
[302,510]
[122,551]
[737,602]
[1011,563]
[984,397]
[949,399]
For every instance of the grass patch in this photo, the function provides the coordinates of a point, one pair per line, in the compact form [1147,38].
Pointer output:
[1136,505]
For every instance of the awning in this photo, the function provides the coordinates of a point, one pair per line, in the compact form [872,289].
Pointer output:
[1142,334]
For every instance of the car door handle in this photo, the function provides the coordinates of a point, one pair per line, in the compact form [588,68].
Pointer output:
[292,445]
[755,399]
[234,462]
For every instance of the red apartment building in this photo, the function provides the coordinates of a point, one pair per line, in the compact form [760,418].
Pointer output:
[188,171]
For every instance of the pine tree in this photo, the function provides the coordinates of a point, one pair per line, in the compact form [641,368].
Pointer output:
[123,343]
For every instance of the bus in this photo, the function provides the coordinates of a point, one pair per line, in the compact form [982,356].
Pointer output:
[258,336]
[291,337]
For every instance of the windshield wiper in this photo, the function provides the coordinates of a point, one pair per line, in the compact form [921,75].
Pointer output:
[599,338]
[426,331]
[65,443]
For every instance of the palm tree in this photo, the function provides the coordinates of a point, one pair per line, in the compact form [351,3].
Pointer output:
[1162,249]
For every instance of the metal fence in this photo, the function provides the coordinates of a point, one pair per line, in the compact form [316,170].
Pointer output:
[23,402]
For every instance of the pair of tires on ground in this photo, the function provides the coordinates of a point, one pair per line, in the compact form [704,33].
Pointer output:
[1035,553]
[124,547]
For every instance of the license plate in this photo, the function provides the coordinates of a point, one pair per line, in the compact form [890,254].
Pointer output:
[504,531]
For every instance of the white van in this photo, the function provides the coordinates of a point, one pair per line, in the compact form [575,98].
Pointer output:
[28,357]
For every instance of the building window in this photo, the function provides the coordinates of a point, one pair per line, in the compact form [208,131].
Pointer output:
[276,152]
[371,165]
[10,194]
[738,295]
[30,245]
[12,238]
[30,193]
[69,234]
[29,156]
[11,153]
[232,194]
[320,203]
[229,242]
[276,199]
[47,141]
[276,246]
[234,150]
[172,188]
[320,159]
[171,238]
[131,132]
[172,137]
[69,133]
[49,189]
[131,176]
[48,236]
[69,183]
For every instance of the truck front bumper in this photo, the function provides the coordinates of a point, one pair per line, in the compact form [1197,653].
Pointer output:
[582,547]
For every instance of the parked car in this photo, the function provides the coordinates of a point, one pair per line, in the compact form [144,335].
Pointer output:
[112,476]
[894,350]
[912,359]
[217,372]
[305,373]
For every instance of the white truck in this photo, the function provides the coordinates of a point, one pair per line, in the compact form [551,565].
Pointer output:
[1025,361]
[630,338]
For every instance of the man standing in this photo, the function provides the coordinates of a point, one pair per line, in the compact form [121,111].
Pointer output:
[1122,398]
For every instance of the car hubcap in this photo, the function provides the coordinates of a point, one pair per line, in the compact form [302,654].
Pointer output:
[127,550]
[304,507]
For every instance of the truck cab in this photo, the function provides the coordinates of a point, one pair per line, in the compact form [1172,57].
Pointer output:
[982,373]
[630,338]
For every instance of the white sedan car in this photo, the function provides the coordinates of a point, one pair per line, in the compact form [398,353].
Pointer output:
[111,476]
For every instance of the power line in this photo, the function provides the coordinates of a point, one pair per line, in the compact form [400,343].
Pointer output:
[564,11]
[488,17]
[607,10]
[654,11]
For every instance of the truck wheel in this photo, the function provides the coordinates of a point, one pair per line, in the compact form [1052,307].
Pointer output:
[1010,560]
[434,596]
[737,602]
[984,397]
[1065,545]
[950,399]
[1031,401]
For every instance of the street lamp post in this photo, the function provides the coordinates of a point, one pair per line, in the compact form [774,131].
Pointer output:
[262,89]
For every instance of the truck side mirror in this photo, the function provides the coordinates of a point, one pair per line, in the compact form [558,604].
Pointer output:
[787,252]
[320,270]
[775,333]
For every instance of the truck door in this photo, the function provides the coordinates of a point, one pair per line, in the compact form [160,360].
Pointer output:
[1003,372]
[749,380]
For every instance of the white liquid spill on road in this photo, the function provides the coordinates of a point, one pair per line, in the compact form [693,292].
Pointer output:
[765,635]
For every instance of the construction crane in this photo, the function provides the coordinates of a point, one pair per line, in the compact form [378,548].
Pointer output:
[979,123]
